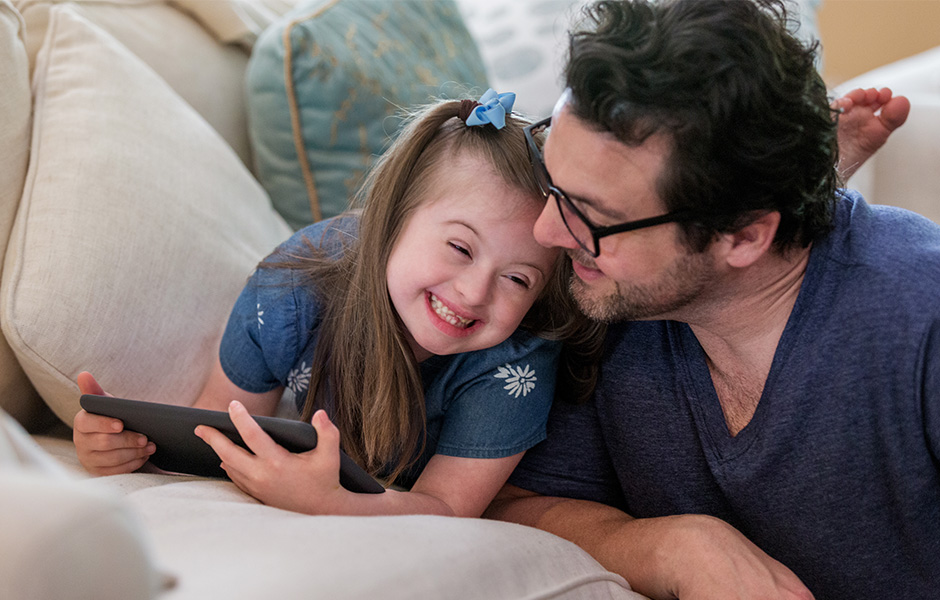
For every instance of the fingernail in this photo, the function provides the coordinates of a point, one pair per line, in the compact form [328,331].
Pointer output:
[115,426]
[151,448]
[142,441]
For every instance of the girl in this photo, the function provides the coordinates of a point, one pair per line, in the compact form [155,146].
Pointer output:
[437,291]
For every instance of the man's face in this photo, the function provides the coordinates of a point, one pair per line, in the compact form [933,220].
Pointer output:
[641,274]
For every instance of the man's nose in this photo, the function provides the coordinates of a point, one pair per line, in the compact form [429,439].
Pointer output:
[550,230]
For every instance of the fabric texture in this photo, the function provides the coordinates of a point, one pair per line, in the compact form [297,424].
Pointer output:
[836,474]
[214,86]
[485,404]
[325,85]
[126,255]
[50,520]
[17,395]
[238,22]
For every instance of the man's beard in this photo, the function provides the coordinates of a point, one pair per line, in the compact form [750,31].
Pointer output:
[676,288]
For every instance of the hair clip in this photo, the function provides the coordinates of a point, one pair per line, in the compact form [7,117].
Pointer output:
[492,108]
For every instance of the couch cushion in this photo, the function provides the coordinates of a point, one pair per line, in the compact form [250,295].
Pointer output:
[17,395]
[48,519]
[137,228]
[393,558]
[352,65]
[210,76]
[237,22]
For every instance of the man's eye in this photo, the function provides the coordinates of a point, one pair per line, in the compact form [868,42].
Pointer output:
[459,248]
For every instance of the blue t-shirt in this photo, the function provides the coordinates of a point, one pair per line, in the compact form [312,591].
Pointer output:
[490,403]
[836,475]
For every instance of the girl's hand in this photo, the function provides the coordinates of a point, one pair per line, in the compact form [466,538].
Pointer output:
[306,482]
[102,445]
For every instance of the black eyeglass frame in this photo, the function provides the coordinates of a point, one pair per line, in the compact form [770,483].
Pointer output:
[548,188]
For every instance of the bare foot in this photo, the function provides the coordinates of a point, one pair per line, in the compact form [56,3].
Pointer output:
[868,118]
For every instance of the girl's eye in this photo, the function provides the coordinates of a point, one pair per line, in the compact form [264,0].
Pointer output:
[459,248]
[518,280]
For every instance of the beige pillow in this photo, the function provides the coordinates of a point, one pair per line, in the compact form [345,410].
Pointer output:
[208,75]
[17,395]
[137,228]
[238,22]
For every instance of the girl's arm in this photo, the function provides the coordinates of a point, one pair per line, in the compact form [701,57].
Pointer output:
[219,392]
[309,482]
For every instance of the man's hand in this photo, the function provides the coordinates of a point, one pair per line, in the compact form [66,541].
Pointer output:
[705,558]
[690,557]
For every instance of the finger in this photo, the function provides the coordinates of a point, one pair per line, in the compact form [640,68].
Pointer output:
[114,458]
[89,385]
[327,437]
[128,467]
[86,422]
[107,442]
[254,437]
[227,450]
[237,477]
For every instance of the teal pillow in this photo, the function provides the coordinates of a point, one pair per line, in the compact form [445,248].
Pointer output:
[325,85]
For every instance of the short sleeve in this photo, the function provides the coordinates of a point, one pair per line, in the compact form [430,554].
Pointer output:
[273,323]
[573,461]
[260,341]
[498,399]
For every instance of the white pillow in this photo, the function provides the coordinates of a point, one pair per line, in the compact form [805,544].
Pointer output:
[208,75]
[17,395]
[137,228]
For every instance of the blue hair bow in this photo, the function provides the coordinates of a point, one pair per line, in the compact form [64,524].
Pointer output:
[493,108]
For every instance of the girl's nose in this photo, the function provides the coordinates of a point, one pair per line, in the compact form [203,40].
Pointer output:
[475,286]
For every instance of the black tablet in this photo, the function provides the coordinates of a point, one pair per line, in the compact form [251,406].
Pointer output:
[179,450]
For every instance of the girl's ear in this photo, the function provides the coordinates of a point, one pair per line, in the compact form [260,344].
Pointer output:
[744,247]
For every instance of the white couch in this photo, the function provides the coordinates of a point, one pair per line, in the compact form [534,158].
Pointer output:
[130,218]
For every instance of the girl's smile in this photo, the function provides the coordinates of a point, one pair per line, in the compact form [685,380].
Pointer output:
[466,267]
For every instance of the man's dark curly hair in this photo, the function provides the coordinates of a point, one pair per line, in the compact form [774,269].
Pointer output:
[738,95]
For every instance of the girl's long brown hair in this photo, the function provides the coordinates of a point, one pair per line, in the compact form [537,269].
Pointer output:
[364,371]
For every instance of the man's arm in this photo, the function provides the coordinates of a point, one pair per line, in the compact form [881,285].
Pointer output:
[684,556]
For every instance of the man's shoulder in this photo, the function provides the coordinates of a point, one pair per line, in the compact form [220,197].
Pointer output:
[890,245]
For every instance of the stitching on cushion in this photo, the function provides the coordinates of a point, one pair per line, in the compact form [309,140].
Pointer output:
[294,110]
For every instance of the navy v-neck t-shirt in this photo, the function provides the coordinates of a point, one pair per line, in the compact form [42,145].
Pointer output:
[836,475]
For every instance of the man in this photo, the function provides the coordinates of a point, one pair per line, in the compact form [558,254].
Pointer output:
[767,418]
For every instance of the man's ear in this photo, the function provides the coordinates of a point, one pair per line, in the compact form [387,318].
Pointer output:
[747,245]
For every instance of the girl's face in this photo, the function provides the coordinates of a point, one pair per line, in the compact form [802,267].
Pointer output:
[466,268]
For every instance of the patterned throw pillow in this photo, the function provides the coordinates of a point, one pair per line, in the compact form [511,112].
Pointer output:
[326,82]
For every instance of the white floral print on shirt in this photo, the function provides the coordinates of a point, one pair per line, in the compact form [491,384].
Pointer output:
[298,380]
[519,380]
[260,314]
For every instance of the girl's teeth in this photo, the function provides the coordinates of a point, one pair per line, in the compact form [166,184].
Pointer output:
[447,314]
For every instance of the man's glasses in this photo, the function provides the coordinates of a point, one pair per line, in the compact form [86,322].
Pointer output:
[583,231]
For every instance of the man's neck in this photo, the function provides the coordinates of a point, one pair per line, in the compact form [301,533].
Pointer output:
[740,327]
